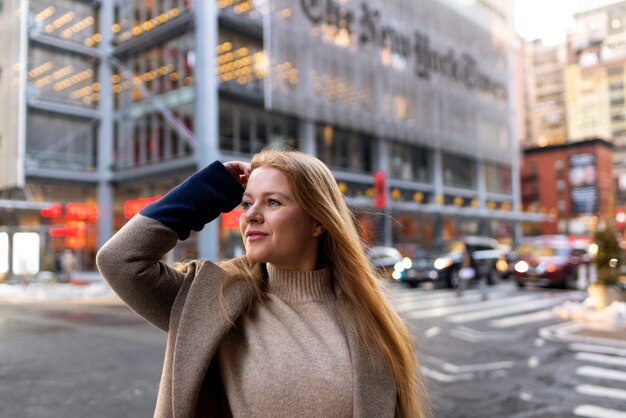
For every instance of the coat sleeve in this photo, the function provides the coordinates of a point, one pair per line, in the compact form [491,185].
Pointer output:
[131,260]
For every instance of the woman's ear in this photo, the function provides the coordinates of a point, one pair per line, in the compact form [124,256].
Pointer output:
[318,229]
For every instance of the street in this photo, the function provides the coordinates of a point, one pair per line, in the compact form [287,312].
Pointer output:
[499,357]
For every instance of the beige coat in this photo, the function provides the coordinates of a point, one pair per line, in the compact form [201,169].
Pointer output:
[188,307]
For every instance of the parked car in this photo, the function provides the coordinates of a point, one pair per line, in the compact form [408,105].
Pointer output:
[441,263]
[388,261]
[549,263]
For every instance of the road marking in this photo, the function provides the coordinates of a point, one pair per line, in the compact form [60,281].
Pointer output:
[471,335]
[467,368]
[601,358]
[603,391]
[491,313]
[446,378]
[450,300]
[601,373]
[460,307]
[432,332]
[592,411]
[598,349]
[512,321]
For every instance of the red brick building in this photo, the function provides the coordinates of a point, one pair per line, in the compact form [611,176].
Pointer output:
[572,181]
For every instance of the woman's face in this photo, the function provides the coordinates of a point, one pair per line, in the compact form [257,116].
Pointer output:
[274,227]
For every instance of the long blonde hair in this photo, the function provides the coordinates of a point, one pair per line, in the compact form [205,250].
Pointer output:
[373,320]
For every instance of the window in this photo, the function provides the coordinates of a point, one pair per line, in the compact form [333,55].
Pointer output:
[498,178]
[410,162]
[344,149]
[458,171]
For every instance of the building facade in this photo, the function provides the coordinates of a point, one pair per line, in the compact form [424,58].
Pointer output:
[595,79]
[109,104]
[572,182]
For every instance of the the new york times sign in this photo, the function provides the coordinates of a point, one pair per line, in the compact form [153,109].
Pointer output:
[415,47]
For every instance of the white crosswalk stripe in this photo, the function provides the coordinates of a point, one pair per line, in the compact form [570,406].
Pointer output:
[607,382]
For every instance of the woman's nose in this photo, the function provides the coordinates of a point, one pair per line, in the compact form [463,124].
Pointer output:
[253,214]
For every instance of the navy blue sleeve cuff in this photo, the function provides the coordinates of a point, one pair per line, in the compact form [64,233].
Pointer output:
[197,201]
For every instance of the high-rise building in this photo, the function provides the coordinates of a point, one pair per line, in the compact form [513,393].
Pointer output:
[108,104]
[595,79]
[545,94]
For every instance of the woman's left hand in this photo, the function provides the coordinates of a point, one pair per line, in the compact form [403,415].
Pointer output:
[239,170]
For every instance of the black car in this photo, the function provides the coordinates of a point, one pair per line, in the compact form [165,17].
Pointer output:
[442,263]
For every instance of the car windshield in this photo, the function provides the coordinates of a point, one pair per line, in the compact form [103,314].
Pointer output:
[447,247]
[531,250]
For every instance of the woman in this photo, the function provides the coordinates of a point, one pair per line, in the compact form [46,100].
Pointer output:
[296,327]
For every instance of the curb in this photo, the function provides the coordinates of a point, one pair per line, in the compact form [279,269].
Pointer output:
[575,332]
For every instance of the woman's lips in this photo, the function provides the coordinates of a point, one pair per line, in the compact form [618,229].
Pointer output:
[255,236]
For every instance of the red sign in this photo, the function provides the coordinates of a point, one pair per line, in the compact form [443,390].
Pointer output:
[82,211]
[53,211]
[133,207]
[230,220]
[380,198]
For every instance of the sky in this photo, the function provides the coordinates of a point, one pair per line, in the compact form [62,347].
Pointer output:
[549,19]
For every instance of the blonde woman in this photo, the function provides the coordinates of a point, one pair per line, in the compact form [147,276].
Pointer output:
[295,328]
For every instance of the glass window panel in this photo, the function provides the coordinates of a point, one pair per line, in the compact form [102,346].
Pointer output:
[458,171]
[70,21]
[62,142]
[63,77]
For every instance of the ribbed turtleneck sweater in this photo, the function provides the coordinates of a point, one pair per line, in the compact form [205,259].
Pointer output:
[291,357]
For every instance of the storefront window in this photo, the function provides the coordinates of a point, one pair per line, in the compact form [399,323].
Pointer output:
[70,21]
[410,162]
[458,171]
[498,178]
[61,142]
[63,77]
[345,149]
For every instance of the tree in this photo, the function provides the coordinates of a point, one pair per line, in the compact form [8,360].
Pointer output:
[608,256]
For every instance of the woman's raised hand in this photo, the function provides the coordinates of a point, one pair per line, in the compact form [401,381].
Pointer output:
[239,170]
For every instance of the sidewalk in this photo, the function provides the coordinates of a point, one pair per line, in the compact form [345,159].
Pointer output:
[84,287]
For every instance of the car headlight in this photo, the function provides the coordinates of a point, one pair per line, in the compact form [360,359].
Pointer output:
[396,275]
[407,263]
[442,263]
[521,266]
[398,267]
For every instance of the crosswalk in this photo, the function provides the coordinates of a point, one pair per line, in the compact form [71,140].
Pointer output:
[600,369]
[503,306]
[602,374]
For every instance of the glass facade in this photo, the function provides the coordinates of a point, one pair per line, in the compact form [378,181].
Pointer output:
[344,149]
[60,142]
[70,21]
[458,171]
[62,77]
[410,162]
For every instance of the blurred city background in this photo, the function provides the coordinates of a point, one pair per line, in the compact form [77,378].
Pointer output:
[481,145]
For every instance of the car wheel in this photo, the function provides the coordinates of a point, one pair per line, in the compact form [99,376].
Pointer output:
[454,279]
[521,285]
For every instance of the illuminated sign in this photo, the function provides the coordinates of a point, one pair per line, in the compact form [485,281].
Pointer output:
[82,211]
[133,207]
[230,220]
[53,211]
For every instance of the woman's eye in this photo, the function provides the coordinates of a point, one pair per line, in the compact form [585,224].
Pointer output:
[273,202]
[245,205]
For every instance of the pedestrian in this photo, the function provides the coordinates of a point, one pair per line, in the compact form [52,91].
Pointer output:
[69,263]
[297,327]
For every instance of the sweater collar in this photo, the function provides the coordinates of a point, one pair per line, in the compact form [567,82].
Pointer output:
[300,286]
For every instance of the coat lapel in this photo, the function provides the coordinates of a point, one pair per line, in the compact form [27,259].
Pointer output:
[202,325]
